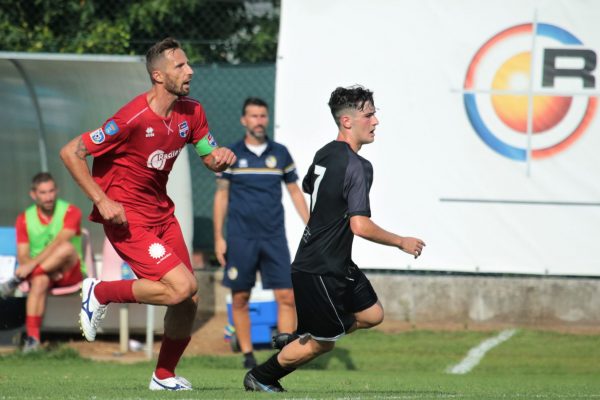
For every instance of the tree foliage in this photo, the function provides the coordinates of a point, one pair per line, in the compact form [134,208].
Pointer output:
[230,31]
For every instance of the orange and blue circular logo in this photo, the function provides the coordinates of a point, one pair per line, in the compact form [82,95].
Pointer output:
[524,91]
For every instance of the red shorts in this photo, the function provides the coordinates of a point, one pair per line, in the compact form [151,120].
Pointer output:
[71,277]
[151,251]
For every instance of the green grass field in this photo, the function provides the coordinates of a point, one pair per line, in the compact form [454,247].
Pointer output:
[366,365]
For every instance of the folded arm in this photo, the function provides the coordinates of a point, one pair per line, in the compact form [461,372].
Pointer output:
[27,264]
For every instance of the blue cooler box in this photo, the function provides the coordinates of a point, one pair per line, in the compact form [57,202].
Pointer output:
[263,314]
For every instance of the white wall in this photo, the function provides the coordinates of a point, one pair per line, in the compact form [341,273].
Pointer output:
[435,177]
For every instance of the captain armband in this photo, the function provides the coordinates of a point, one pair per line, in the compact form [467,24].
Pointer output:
[206,145]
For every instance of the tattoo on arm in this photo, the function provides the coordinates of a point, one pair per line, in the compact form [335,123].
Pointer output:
[81,151]
[222,184]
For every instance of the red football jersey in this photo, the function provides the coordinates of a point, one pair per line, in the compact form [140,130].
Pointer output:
[134,152]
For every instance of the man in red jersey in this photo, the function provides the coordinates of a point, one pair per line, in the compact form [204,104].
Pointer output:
[134,152]
[49,252]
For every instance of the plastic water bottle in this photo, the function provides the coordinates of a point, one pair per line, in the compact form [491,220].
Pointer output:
[228,332]
[126,272]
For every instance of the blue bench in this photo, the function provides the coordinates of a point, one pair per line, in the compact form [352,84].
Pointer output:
[8,251]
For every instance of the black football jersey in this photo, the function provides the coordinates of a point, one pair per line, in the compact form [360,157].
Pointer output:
[338,182]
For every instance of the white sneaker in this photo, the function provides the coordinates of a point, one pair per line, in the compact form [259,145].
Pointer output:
[31,345]
[8,288]
[91,310]
[174,383]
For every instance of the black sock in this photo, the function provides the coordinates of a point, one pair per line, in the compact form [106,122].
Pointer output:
[270,371]
[248,355]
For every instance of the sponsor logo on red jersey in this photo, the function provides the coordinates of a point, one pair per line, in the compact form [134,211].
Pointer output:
[158,158]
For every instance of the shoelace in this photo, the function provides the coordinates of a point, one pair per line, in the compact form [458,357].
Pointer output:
[183,381]
[98,315]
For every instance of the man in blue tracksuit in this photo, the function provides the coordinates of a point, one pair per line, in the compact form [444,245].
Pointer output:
[249,195]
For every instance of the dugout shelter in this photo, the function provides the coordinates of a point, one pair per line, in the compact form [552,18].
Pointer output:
[45,101]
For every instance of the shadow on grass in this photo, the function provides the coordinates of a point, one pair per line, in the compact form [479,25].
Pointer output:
[322,362]
[51,352]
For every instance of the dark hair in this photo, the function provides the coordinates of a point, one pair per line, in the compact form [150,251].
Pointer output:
[253,101]
[155,52]
[41,177]
[353,97]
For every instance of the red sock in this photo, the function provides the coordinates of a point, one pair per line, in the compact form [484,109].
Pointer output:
[169,355]
[33,323]
[115,292]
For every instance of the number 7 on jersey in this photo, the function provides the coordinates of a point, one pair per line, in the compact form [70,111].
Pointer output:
[320,173]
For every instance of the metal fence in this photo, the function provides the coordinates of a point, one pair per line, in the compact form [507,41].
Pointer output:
[222,91]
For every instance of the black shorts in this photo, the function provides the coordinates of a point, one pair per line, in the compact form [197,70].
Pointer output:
[326,304]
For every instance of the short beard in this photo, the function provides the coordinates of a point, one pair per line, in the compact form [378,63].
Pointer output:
[171,88]
[47,210]
[260,134]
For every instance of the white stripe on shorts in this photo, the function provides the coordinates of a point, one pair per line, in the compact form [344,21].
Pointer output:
[335,311]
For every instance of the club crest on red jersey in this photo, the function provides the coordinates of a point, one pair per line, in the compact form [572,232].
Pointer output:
[183,129]
[97,136]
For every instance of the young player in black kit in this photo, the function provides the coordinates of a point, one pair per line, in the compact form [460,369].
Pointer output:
[333,296]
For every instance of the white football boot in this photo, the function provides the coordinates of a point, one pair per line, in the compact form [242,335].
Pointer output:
[91,310]
[8,288]
[174,383]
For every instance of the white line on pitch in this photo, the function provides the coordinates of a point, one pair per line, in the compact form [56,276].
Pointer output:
[476,353]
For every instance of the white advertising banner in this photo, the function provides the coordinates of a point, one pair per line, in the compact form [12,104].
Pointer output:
[489,140]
